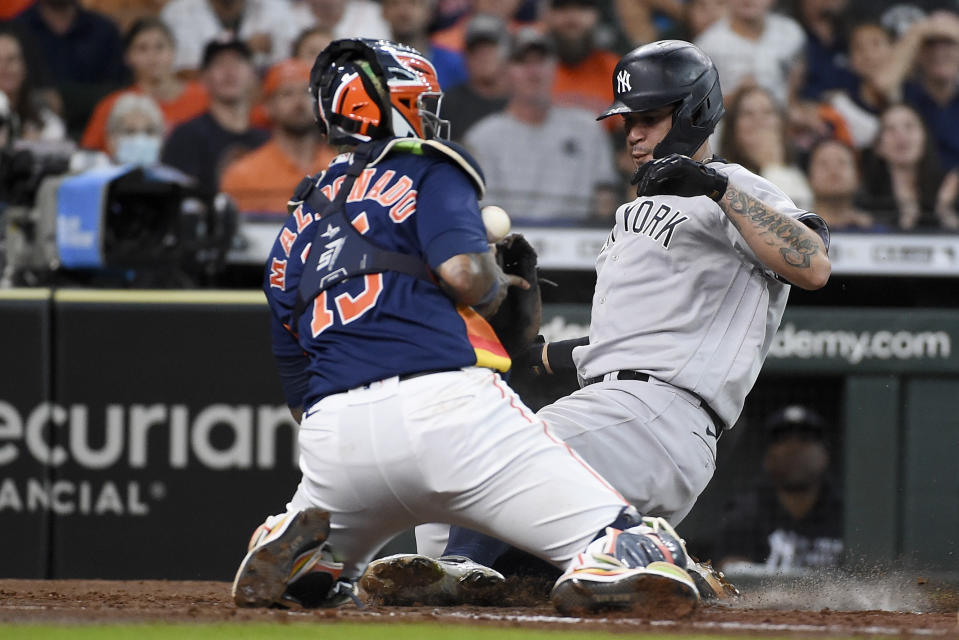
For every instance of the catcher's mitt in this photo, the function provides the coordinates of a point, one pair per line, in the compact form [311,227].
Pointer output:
[517,320]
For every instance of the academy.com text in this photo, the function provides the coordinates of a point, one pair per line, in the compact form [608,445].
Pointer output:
[854,347]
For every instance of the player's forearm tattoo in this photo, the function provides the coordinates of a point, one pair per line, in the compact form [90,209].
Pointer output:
[781,231]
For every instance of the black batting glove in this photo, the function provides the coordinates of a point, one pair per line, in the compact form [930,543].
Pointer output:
[528,360]
[679,175]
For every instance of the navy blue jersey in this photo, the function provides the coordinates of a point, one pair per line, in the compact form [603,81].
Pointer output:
[380,325]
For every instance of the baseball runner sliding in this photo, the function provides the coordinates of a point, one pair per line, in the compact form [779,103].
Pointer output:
[691,286]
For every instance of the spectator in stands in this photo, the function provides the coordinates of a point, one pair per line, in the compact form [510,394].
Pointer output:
[754,135]
[12,8]
[133,134]
[82,51]
[792,518]
[935,93]
[263,180]
[447,12]
[408,21]
[342,18]
[125,12]
[454,37]
[905,186]
[698,15]
[542,162]
[149,52]
[202,146]
[878,82]
[584,70]
[881,65]
[834,179]
[266,26]
[753,45]
[310,43]
[134,130]
[486,90]
[34,117]
[826,60]
[643,21]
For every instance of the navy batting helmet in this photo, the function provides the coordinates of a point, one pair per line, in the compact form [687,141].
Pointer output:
[664,73]
[368,89]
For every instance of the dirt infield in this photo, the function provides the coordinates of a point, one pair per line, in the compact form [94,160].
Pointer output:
[100,601]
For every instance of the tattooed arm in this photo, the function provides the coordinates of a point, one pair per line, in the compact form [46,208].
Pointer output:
[784,244]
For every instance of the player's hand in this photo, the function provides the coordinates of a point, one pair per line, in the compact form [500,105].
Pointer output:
[679,175]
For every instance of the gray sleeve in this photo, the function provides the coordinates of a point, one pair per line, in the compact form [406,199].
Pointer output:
[773,197]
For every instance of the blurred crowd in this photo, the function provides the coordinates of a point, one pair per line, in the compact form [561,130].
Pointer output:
[849,106]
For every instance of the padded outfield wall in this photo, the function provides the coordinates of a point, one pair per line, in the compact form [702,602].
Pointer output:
[144,435]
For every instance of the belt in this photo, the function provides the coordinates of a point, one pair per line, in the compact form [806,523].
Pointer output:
[620,375]
[410,376]
[644,377]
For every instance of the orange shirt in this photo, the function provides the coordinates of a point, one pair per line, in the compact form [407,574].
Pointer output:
[588,85]
[11,8]
[454,37]
[263,180]
[193,101]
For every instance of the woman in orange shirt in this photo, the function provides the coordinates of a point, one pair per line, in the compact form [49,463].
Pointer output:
[149,52]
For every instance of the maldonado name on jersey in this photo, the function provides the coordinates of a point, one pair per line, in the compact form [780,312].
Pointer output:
[644,217]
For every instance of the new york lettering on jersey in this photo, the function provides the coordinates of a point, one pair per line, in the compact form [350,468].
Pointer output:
[400,206]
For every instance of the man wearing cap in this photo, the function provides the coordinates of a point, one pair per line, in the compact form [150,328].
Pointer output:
[792,519]
[202,146]
[486,89]
[543,162]
[261,180]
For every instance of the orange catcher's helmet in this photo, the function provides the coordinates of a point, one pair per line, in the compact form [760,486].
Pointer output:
[369,89]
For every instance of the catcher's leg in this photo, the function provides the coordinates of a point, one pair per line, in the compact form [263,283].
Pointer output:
[509,477]
[288,564]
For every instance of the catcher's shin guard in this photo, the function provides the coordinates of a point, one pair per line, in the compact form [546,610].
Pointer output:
[286,564]
[409,578]
[641,570]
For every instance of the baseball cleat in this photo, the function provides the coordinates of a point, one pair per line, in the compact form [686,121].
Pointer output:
[711,583]
[659,589]
[640,570]
[282,551]
[409,578]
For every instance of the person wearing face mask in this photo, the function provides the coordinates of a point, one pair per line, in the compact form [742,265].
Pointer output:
[135,131]
[133,136]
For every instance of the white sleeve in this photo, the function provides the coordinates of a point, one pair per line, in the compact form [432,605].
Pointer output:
[191,30]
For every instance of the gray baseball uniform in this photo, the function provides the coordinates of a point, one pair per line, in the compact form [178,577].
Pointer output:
[682,298]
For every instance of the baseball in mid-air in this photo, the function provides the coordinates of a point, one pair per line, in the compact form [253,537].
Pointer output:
[497,223]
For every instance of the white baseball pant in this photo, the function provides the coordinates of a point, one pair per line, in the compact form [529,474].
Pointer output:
[457,447]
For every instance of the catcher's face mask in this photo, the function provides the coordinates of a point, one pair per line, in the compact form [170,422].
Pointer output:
[368,89]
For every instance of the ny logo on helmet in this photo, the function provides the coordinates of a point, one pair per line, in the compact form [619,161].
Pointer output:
[622,82]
